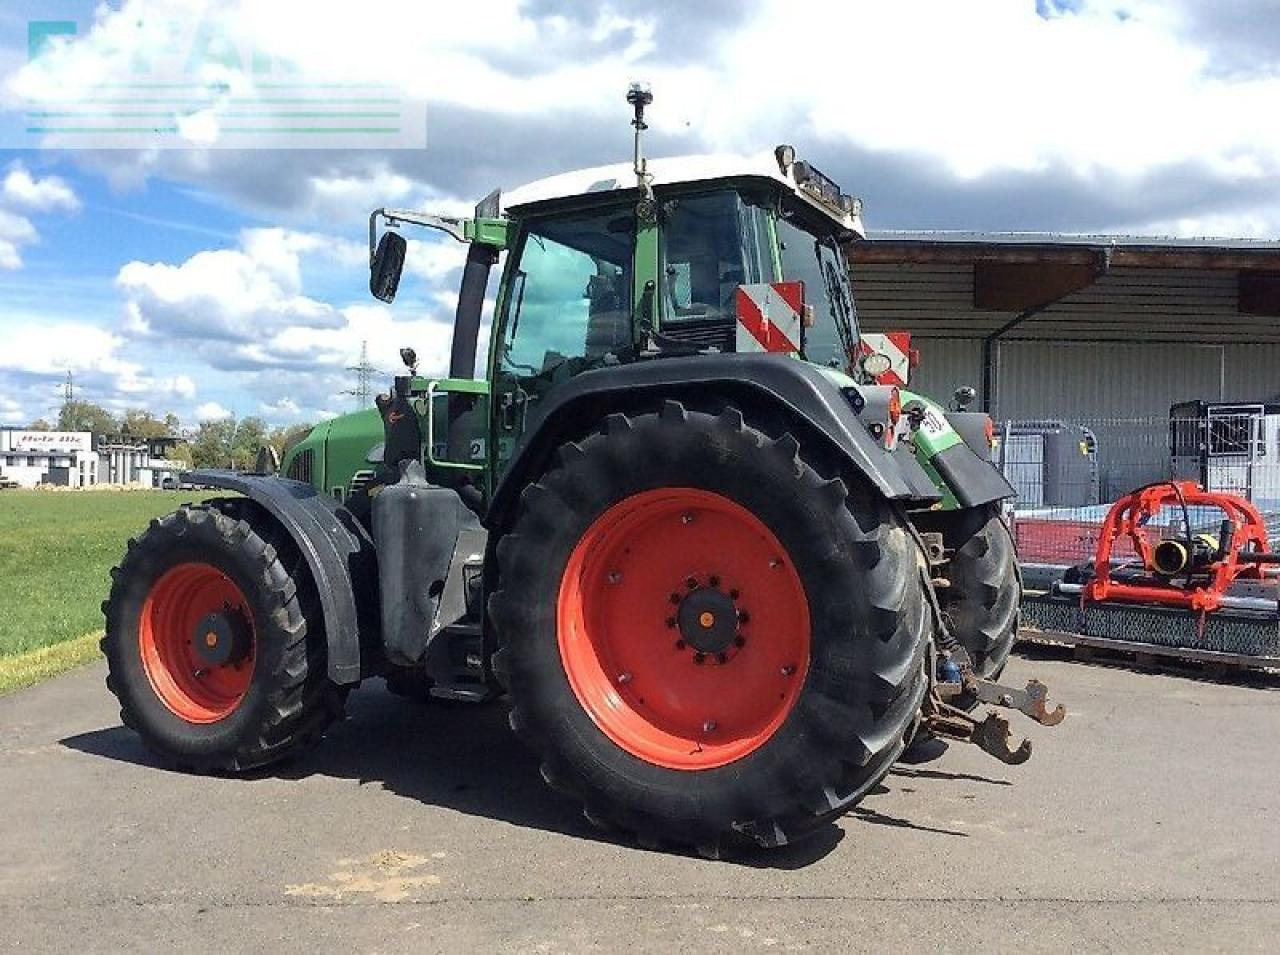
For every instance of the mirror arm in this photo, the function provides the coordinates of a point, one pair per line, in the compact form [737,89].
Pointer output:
[451,225]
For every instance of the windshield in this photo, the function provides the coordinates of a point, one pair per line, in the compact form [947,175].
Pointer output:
[819,264]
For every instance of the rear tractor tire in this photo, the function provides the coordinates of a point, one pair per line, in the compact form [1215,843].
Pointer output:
[215,644]
[710,638]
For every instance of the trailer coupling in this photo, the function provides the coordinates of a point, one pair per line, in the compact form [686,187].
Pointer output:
[992,733]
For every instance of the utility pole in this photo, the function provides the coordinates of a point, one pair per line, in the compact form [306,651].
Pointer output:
[68,396]
[363,391]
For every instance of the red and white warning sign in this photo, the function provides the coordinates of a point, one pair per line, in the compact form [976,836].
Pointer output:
[769,316]
[896,346]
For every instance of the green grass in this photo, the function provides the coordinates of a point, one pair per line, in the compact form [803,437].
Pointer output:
[56,552]
[25,669]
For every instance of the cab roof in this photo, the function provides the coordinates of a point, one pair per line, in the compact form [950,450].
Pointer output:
[668,172]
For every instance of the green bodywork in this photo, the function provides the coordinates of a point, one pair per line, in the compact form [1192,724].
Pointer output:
[492,232]
[339,450]
[933,436]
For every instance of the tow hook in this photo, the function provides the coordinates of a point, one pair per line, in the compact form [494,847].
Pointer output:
[1033,701]
[992,733]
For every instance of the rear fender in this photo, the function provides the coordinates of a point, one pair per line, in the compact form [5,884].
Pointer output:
[814,404]
[338,552]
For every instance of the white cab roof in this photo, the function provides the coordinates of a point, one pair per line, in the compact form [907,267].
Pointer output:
[665,172]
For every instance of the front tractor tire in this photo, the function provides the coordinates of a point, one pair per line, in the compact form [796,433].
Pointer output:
[711,638]
[214,642]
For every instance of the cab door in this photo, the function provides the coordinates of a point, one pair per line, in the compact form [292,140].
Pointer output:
[566,308]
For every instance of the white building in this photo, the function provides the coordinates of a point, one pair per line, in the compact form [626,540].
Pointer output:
[48,457]
[70,459]
[128,460]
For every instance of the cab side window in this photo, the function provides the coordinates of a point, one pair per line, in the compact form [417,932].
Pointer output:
[832,338]
[704,239]
[570,294]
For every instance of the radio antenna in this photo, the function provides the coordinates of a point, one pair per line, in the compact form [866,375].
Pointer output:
[640,96]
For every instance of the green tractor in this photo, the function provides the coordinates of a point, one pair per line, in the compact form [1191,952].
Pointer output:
[723,576]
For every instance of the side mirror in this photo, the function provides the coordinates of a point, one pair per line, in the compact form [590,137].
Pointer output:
[387,264]
[964,397]
[875,364]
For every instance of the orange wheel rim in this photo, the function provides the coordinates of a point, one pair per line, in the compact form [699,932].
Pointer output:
[197,642]
[683,628]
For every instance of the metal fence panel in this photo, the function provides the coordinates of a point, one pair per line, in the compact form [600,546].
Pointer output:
[1068,472]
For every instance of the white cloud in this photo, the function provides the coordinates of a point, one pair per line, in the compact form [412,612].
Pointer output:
[349,196]
[985,86]
[434,259]
[51,348]
[15,230]
[36,353]
[234,295]
[1104,98]
[211,411]
[182,386]
[11,412]
[250,313]
[282,408]
[21,192]
[339,347]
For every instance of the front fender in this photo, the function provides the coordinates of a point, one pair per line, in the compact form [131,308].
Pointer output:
[338,552]
[802,391]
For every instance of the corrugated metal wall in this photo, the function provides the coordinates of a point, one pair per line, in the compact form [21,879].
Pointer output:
[1114,355]
[945,365]
[1131,344]
[924,299]
[1052,379]
[1126,304]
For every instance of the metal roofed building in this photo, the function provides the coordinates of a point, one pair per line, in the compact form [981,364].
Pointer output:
[1049,325]
[1095,336]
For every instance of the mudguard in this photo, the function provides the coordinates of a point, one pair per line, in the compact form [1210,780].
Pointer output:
[972,427]
[337,550]
[802,391]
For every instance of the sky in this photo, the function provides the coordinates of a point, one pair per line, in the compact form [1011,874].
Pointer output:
[214,272]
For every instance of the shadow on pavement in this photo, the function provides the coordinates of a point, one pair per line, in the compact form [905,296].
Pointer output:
[459,756]
[912,773]
[864,813]
[115,742]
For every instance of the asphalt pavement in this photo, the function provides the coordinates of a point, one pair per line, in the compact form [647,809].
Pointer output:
[1146,821]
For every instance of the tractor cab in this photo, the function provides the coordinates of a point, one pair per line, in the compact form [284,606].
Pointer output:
[703,255]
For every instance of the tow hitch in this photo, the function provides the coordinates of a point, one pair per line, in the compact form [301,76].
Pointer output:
[991,734]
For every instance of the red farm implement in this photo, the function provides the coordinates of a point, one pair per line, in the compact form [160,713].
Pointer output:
[1177,571]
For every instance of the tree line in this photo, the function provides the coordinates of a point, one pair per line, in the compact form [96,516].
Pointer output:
[231,442]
